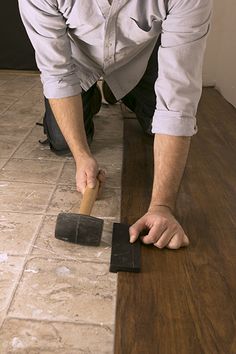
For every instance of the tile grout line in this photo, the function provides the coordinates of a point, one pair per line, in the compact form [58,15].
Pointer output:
[17,147]
[58,257]
[5,110]
[16,98]
[105,218]
[73,187]
[55,187]
[94,324]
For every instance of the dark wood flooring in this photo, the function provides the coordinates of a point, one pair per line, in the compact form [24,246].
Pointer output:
[184,302]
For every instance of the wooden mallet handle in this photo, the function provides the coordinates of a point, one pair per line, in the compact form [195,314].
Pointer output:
[89,197]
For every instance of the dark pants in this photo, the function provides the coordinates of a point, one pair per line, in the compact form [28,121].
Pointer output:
[141,100]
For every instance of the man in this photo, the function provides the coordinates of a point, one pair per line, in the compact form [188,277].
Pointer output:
[150,53]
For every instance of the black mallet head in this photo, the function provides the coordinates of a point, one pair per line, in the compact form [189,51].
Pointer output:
[77,228]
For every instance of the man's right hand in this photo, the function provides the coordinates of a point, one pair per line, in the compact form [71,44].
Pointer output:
[87,173]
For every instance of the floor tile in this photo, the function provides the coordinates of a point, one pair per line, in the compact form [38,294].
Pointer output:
[108,124]
[7,76]
[14,118]
[2,162]
[66,291]
[8,144]
[23,113]
[36,171]
[2,81]
[18,87]
[10,268]
[66,197]
[113,174]
[17,132]
[47,245]
[32,149]
[10,138]
[17,232]
[6,101]
[109,153]
[34,337]
[26,197]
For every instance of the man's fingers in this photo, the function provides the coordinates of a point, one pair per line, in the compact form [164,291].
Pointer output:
[164,239]
[177,241]
[135,230]
[154,234]
[185,240]
[102,176]
[81,184]
[91,180]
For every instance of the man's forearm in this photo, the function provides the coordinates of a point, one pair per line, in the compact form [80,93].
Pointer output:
[170,156]
[68,112]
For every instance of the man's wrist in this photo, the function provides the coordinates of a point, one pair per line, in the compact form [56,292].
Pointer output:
[160,207]
[82,155]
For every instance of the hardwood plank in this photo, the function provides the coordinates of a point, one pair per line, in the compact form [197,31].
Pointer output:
[184,302]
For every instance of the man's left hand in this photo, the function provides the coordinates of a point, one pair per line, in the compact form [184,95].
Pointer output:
[163,229]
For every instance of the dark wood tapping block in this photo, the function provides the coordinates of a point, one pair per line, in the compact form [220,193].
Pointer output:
[125,257]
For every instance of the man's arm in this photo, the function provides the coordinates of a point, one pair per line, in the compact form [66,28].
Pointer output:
[47,31]
[170,155]
[178,90]
[69,115]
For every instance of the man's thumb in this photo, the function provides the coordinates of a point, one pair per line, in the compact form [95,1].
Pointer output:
[134,231]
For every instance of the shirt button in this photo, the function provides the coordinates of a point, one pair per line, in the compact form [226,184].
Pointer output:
[108,45]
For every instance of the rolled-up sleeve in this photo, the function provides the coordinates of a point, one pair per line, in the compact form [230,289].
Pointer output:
[47,31]
[180,58]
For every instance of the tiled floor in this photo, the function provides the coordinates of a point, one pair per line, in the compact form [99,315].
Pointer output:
[55,297]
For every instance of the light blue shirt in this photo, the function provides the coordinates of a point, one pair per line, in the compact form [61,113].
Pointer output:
[78,41]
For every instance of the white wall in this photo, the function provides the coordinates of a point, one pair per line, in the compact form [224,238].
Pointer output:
[220,59]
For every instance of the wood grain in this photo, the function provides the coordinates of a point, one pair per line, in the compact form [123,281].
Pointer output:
[184,302]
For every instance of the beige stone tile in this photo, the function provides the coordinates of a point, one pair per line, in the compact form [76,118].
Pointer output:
[108,124]
[10,269]
[48,246]
[10,138]
[7,76]
[6,101]
[113,174]
[59,290]
[24,112]
[27,197]
[2,81]
[109,153]
[17,232]
[8,144]
[36,171]
[67,176]
[32,149]
[13,118]
[17,87]
[66,197]
[34,337]
[2,162]
[16,131]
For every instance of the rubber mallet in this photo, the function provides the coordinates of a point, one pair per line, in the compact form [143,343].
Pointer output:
[81,228]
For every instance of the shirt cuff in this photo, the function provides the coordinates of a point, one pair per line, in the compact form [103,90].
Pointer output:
[60,88]
[173,123]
